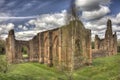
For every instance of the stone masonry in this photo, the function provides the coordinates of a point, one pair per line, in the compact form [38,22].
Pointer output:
[108,45]
[69,45]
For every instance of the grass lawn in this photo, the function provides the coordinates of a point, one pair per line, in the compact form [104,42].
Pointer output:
[107,68]
[25,55]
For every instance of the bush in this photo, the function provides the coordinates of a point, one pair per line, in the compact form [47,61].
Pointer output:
[3,64]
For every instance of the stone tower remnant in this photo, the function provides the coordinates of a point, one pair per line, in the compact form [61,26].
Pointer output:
[108,45]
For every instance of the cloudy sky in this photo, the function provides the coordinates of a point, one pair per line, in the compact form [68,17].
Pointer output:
[28,17]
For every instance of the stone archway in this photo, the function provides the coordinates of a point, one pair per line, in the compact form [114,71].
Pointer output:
[25,53]
[46,46]
[55,52]
[22,51]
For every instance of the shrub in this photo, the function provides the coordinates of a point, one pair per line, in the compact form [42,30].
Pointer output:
[3,64]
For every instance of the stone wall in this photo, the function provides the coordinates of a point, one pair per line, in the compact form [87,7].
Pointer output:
[10,47]
[14,48]
[108,44]
[69,44]
[76,44]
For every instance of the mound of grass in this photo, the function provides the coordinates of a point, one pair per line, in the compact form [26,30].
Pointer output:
[30,71]
[107,68]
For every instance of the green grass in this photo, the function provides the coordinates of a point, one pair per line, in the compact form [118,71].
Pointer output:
[25,55]
[107,68]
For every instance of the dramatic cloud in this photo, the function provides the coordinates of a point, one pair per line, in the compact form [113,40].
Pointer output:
[7,16]
[10,17]
[116,19]
[24,15]
[5,28]
[93,9]
[95,16]
[102,21]
[21,27]
[96,29]
[42,23]
[89,15]
[99,26]
[10,26]
[90,5]
[49,21]
[26,35]
[4,15]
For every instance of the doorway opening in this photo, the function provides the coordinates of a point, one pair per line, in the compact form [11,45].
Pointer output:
[25,52]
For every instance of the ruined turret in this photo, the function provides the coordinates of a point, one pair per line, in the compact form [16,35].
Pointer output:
[10,46]
[109,33]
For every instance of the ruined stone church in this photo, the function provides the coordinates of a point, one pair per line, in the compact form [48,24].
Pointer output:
[69,45]
[108,45]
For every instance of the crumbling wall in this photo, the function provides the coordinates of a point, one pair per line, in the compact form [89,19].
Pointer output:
[14,48]
[108,44]
[49,47]
[76,45]
[69,45]
[10,47]
[34,50]
[19,47]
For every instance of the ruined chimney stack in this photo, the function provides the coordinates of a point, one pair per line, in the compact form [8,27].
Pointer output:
[109,32]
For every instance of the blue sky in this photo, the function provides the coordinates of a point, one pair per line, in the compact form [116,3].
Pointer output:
[28,17]
[115,7]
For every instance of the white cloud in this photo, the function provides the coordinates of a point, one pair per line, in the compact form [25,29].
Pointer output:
[88,15]
[8,16]
[49,21]
[26,35]
[42,23]
[4,28]
[116,19]
[13,17]
[20,26]
[99,26]
[4,15]
[93,9]
[96,29]
[90,5]
[25,28]
[31,22]
[10,26]
[102,21]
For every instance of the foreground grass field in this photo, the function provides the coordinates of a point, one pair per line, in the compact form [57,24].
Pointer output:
[107,68]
